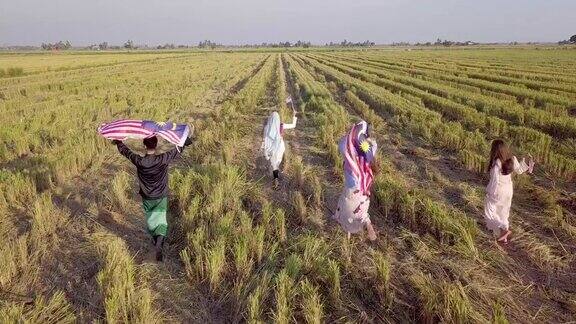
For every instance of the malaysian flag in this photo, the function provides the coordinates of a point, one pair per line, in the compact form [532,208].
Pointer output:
[140,129]
[356,150]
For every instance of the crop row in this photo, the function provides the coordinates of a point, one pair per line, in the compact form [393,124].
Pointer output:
[393,198]
[527,139]
[536,62]
[238,244]
[51,63]
[552,213]
[58,142]
[557,83]
[333,124]
[556,126]
[540,98]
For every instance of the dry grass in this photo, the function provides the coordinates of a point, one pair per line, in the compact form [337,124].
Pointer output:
[312,306]
[442,301]
[120,187]
[125,297]
[259,256]
[300,208]
[284,292]
[51,311]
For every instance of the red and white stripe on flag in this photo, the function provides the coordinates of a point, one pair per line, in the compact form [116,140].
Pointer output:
[124,129]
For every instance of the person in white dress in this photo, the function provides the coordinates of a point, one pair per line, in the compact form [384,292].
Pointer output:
[273,143]
[500,189]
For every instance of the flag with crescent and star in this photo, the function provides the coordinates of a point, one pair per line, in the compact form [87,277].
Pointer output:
[139,129]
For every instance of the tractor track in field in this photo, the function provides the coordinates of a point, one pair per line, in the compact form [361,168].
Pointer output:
[410,150]
[299,142]
[240,84]
[304,146]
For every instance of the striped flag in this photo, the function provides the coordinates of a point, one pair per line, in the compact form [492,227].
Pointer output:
[140,129]
[355,159]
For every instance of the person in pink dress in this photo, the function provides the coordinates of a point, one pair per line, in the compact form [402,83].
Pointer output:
[359,151]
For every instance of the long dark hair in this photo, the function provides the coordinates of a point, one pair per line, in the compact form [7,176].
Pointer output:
[500,151]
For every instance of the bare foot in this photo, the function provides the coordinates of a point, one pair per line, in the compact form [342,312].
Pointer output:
[371,232]
[504,237]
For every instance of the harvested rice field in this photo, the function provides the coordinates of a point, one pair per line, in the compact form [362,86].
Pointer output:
[74,243]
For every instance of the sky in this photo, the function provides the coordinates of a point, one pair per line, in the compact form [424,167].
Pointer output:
[233,22]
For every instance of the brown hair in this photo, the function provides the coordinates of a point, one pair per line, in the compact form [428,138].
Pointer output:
[507,166]
[499,151]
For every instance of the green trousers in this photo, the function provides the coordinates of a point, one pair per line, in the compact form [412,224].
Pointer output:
[155,211]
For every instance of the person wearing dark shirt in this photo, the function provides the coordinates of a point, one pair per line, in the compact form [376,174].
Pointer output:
[152,170]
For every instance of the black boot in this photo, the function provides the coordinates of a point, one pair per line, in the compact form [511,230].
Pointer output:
[159,244]
[276,182]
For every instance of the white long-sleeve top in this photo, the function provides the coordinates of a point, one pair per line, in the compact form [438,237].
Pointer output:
[291,125]
[499,182]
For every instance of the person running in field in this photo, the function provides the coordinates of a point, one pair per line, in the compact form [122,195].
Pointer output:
[359,152]
[273,143]
[499,190]
[152,170]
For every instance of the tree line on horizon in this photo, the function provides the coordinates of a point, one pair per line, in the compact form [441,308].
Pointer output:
[202,44]
[571,40]
[61,45]
[208,44]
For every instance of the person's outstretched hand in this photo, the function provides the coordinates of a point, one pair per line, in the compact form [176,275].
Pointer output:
[116,142]
[531,164]
[371,141]
[188,141]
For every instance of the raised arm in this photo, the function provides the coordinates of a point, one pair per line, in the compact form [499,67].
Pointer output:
[124,150]
[291,125]
[175,152]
